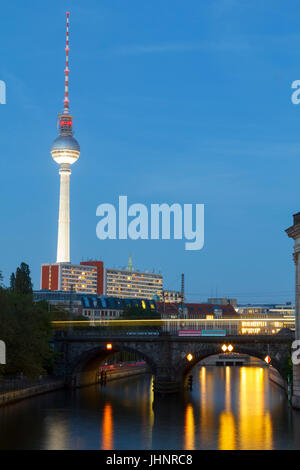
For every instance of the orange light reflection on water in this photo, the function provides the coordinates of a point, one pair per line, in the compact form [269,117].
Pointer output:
[107,428]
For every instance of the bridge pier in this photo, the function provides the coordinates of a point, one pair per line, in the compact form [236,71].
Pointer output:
[166,380]
[164,386]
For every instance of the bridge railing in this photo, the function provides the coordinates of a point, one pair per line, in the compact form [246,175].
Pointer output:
[179,327]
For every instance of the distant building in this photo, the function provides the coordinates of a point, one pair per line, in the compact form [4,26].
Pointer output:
[100,273]
[266,318]
[199,316]
[70,301]
[86,277]
[92,278]
[222,301]
[92,306]
[197,311]
[271,309]
[210,311]
[224,317]
[171,296]
[130,283]
[109,308]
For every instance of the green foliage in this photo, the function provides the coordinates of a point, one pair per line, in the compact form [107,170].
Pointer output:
[136,313]
[26,328]
[286,367]
[13,282]
[20,282]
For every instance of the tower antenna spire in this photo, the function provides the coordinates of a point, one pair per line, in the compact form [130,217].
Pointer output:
[66,100]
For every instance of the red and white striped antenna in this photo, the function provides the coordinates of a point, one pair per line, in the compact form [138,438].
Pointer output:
[66,100]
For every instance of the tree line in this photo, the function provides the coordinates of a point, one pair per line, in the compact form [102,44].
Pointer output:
[25,327]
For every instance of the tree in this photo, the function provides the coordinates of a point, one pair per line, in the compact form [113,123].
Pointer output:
[1,279]
[13,282]
[286,366]
[26,329]
[21,281]
[136,313]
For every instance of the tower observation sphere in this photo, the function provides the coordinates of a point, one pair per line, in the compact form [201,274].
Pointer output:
[65,151]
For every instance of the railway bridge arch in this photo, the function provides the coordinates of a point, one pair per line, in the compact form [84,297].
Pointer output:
[166,356]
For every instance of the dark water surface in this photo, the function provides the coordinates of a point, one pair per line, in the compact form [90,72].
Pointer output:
[229,408]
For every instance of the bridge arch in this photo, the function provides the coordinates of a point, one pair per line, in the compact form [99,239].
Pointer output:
[84,369]
[238,349]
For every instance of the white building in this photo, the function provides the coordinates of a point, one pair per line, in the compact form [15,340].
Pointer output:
[133,284]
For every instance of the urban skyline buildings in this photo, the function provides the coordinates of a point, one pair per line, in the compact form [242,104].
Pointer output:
[91,277]
[65,151]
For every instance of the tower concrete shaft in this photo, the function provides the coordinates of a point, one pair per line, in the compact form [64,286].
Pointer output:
[63,238]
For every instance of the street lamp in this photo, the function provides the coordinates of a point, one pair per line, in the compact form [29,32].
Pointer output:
[109,346]
[189,357]
[224,348]
[230,348]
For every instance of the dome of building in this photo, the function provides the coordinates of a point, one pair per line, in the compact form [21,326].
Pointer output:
[65,142]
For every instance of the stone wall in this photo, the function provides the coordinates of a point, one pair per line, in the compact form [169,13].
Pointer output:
[275,377]
[17,395]
[89,377]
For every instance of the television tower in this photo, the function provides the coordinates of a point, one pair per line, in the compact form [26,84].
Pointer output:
[65,151]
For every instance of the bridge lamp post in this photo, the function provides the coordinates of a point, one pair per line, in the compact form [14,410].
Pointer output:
[189,357]
[109,346]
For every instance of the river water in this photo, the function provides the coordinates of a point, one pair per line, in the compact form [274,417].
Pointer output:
[228,408]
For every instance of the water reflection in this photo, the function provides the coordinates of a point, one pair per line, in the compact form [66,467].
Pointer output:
[189,428]
[228,408]
[255,426]
[227,432]
[107,428]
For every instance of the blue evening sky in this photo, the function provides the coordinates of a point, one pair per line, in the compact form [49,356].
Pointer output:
[174,101]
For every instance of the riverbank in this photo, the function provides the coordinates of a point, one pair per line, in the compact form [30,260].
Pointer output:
[126,372]
[27,392]
[89,377]
[276,378]
[13,396]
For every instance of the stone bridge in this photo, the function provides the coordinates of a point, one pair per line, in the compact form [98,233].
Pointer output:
[83,352]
